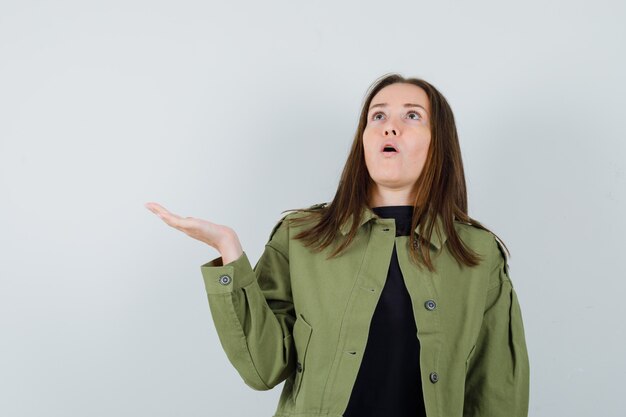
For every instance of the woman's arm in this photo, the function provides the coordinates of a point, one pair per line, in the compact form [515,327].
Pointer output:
[253,313]
[497,380]
[252,308]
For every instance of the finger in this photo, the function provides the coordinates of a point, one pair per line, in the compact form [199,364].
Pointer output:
[155,207]
[178,222]
[171,219]
[150,207]
[161,211]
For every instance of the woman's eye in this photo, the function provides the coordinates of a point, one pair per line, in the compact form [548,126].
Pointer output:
[417,114]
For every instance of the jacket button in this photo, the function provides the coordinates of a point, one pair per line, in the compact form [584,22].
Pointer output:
[434,377]
[225,280]
[299,367]
[430,305]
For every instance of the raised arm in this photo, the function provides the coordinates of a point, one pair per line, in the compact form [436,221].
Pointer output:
[252,308]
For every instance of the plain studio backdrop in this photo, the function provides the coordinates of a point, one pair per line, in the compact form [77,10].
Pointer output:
[234,112]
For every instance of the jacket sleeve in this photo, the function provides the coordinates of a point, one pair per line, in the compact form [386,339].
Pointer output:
[253,313]
[497,379]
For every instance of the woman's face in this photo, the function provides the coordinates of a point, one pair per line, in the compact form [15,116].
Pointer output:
[399,116]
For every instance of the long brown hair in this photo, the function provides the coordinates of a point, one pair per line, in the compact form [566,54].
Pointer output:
[440,196]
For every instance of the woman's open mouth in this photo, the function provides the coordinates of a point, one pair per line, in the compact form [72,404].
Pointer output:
[389,150]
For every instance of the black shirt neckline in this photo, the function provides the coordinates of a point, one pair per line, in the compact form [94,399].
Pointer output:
[402,216]
[392,211]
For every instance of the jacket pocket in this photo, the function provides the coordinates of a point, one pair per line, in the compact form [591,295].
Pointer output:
[301,336]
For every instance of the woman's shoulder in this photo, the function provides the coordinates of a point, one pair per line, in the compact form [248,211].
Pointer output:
[284,221]
[481,239]
[318,206]
[297,212]
[473,232]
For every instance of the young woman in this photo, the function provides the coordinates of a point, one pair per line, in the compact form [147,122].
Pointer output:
[387,301]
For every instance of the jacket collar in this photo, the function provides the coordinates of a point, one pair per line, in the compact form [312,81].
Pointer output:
[367,214]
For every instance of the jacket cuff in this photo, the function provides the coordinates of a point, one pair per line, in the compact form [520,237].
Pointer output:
[222,279]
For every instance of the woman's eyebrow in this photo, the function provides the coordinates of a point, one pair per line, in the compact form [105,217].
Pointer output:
[405,105]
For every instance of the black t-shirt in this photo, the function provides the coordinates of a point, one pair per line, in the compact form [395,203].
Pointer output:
[389,381]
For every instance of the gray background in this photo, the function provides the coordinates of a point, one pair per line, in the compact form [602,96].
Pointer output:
[235,111]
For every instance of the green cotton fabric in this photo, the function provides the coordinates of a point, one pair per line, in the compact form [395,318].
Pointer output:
[299,318]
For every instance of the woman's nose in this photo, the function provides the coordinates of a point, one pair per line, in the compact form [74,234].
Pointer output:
[390,129]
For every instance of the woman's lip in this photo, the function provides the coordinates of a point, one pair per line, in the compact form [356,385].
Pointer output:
[389,154]
[390,144]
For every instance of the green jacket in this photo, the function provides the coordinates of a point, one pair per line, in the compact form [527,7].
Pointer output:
[299,318]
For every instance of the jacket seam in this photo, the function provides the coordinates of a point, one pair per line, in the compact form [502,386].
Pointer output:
[242,338]
[498,284]
[274,246]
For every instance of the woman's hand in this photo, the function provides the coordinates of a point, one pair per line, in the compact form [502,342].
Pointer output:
[220,237]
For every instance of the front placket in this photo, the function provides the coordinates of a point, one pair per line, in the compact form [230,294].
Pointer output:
[360,309]
[421,286]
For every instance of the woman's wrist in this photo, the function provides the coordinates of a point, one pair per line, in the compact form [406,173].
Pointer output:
[230,248]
